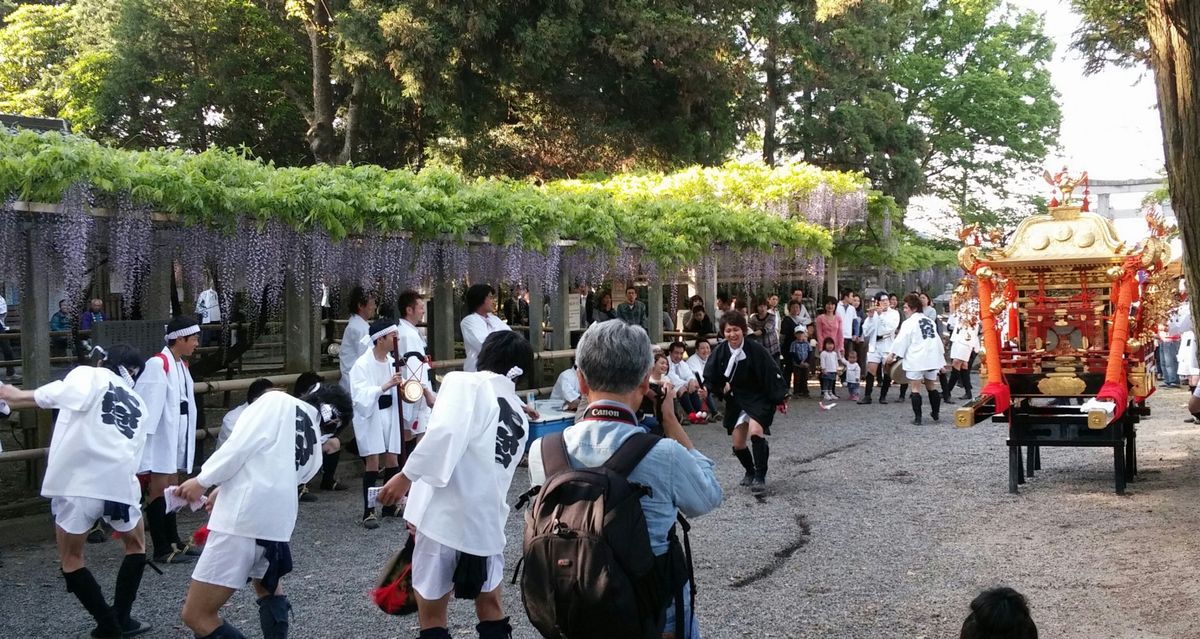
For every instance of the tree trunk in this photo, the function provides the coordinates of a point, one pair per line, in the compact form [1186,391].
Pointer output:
[771,99]
[320,126]
[1174,29]
[352,119]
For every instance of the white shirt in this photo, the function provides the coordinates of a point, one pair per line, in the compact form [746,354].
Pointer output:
[848,314]
[853,373]
[3,313]
[697,365]
[475,329]
[208,307]
[409,340]
[228,421]
[804,318]
[879,329]
[830,361]
[566,387]
[463,467]
[679,374]
[372,425]
[98,436]
[275,448]
[919,344]
[352,347]
[165,383]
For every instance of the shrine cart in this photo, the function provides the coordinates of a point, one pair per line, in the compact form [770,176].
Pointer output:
[1067,313]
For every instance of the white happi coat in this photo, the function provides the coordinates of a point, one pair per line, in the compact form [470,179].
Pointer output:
[462,469]
[919,344]
[275,447]
[352,347]
[375,430]
[409,340]
[475,329]
[171,435]
[98,437]
[879,330]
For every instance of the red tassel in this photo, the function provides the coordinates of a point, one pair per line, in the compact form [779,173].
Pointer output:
[200,536]
[1085,207]
[1053,202]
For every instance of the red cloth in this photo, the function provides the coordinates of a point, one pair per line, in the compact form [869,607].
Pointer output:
[200,537]
[999,390]
[1115,392]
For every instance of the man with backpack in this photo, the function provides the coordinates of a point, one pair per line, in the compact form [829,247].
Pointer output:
[642,483]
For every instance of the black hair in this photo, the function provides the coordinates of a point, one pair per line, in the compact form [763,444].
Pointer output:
[476,295]
[408,298]
[880,295]
[336,398]
[829,299]
[828,340]
[914,302]
[257,388]
[699,340]
[118,356]
[847,292]
[358,299]
[503,350]
[999,613]
[677,344]
[387,310]
[631,288]
[381,324]
[180,322]
[304,383]
[734,318]
[793,302]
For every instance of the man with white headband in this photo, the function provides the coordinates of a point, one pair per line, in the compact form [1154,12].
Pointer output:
[171,411]
[91,474]
[373,382]
[275,448]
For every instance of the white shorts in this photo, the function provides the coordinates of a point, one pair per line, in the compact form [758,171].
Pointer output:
[230,560]
[1188,365]
[76,515]
[876,357]
[960,351]
[916,376]
[433,569]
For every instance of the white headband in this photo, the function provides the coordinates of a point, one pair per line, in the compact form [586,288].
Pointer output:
[370,339]
[184,332]
[514,372]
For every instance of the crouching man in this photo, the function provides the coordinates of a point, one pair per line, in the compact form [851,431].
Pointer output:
[275,447]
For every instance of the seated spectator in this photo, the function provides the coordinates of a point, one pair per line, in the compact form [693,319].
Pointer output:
[566,389]
[257,388]
[93,316]
[687,387]
[697,362]
[60,321]
[612,361]
[650,412]
[999,613]
[692,303]
[699,322]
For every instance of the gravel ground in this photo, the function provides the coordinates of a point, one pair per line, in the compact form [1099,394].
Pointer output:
[871,528]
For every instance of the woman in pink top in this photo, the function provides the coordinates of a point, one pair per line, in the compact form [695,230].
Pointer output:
[829,324]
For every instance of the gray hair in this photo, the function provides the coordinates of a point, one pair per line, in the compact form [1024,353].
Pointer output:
[614,357]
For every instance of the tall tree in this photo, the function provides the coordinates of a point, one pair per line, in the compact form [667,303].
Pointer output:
[1166,35]
[34,52]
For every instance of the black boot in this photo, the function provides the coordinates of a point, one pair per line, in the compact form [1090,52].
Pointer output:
[743,455]
[903,391]
[866,398]
[916,406]
[435,633]
[762,452]
[165,551]
[226,631]
[273,615]
[499,629]
[389,511]
[884,386]
[83,585]
[329,466]
[368,481]
[935,404]
[964,378]
[171,530]
[129,578]
[944,380]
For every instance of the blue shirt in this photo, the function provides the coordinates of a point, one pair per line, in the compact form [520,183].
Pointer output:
[801,351]
[681,480]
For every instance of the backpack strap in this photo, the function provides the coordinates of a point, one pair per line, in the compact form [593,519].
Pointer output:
[163,359]
[630,454]
[554,455]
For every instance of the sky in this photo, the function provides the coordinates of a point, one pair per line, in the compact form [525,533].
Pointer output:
[1110,126]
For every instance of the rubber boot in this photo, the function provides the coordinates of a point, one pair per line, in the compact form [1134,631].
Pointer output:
[762,452]
[435,633]
[916,406]
[743,455]
[866,398]
[499,629]
[273,616]
[884,386]
[226,631]
[935,404]
[129,579]
[387,474]
[83,585]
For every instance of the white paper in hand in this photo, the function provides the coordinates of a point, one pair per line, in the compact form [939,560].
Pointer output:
[373,496]
[175,502]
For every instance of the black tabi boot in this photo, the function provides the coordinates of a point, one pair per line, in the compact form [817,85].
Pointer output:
[916,405]
[83,585]
[935,404]
[226,631]
[884,386]
[129,579]
[434,633]
[964,378]
[944,380]
[762,452]
[165,551]
[389,511]
[952,380]
[903,391]
[368,481]
[499,629]
[273,616]
[329,464]
[743,455]
[866,398]
[171,530]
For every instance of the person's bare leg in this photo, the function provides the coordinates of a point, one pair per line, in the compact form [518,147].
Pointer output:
[200,609]
[432,613]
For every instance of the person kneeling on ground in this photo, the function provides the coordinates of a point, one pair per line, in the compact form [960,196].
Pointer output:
[98,440]
[999,613]
[614,361]
[476,437]
[275,448]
